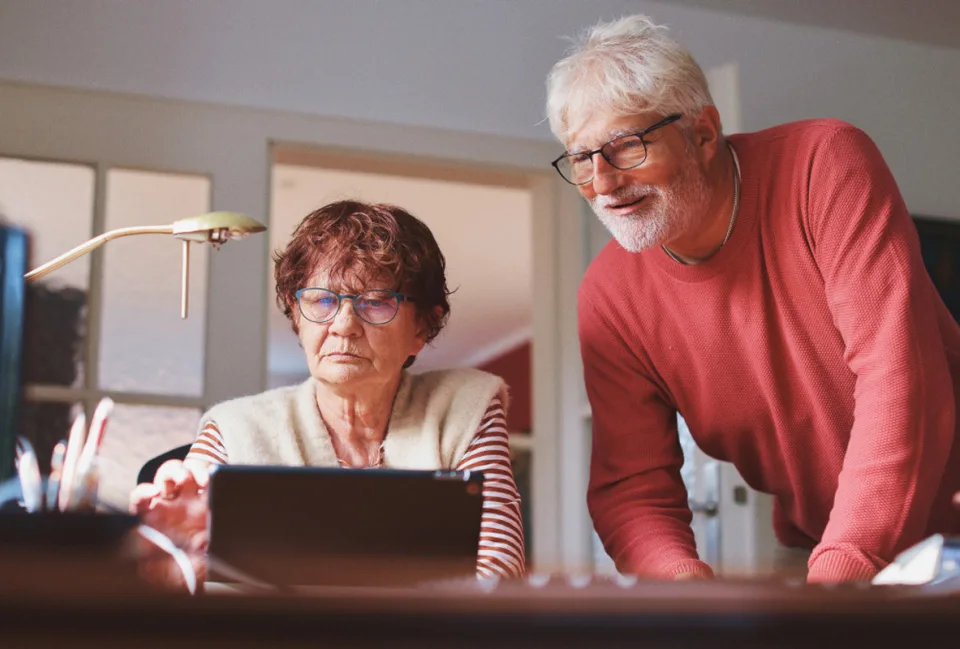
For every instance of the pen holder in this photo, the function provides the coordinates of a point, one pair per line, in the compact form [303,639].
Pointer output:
[54,553]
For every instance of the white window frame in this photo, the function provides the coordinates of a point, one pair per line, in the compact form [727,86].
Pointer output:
[89,394]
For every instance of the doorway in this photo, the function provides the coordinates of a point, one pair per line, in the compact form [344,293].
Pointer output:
[483,223]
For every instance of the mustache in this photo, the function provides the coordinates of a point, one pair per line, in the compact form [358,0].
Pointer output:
[624,197]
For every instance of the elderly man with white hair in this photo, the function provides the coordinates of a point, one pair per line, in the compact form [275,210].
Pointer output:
[767,286]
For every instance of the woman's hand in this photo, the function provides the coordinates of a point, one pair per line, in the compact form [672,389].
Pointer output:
[176,505]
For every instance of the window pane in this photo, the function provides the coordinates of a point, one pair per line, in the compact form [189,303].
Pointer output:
[54,203]
[145,346]
[134,435]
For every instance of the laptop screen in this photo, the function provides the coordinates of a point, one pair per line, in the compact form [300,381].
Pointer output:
[13,265]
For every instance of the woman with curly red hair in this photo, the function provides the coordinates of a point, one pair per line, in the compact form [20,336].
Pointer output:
[364,287]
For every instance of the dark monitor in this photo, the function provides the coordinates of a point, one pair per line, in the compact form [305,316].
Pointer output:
[13,265]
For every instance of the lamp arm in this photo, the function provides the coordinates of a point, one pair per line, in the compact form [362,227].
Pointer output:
[93,244]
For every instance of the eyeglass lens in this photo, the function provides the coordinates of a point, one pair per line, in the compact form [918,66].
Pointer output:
[375,307]
[623,153]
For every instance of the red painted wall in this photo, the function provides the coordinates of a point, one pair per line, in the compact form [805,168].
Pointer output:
[514,368]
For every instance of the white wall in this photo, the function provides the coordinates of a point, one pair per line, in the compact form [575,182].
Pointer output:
[484,232]
[479,65]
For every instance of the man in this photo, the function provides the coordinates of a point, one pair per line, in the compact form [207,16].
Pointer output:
[768,287]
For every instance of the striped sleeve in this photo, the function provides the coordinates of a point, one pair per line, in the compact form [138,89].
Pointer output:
[209,446]
[501,551]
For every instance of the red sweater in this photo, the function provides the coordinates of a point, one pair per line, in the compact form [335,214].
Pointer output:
[812,351]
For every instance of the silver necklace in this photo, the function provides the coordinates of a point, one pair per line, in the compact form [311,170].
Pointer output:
[733,214]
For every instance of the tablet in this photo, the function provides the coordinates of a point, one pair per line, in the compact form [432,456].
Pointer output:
[296,526]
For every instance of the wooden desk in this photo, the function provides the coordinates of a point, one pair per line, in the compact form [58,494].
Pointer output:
[655,614]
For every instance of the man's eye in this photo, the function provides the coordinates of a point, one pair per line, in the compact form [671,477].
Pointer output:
[579,160]
[626,144]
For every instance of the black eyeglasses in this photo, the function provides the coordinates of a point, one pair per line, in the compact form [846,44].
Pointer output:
[378,306]
[624,152]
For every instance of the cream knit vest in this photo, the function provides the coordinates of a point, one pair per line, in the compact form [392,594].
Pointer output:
[435,417]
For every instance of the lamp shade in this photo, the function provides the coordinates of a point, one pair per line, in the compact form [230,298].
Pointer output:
[216,226]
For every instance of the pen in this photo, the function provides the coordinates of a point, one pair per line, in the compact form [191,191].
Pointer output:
[95,437]
[86,478]
[56,472]
[29,471]
[74,447]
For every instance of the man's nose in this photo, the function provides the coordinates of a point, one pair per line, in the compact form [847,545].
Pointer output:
[606,177]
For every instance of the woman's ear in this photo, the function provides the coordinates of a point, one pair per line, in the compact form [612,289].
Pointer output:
[424,330]
[294,316]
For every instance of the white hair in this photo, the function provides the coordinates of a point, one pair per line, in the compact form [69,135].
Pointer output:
[626,66]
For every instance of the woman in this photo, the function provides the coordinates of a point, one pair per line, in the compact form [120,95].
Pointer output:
[364,288]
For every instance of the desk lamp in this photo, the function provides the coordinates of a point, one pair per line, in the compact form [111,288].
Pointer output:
[214,228]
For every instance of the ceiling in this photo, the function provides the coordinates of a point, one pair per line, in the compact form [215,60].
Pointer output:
[483,231]
[473,66]
[931,22]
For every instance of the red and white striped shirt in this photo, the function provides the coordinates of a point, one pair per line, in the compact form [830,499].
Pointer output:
[501,550]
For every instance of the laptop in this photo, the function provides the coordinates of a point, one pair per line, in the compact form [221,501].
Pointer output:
[13,264]
[292,526]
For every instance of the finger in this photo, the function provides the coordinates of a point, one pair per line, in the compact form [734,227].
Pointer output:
[171,470]
[200,472]
[142,496]
[174,478]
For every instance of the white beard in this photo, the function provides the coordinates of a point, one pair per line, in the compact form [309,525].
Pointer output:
[664,213]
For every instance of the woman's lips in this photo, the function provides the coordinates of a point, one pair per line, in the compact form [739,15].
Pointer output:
[342,356]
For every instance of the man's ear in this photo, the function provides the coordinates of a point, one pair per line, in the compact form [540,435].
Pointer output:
[706,132]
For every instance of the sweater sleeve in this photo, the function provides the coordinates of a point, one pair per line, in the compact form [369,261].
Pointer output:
[636,496]
[501,548]
[209,446]
[884,305]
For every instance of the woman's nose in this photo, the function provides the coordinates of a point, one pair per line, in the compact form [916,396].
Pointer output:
[346,322]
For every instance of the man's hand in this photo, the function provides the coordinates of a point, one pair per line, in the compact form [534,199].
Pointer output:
[176,505]
[685,576]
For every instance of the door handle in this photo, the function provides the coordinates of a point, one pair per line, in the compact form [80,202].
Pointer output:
[707,508]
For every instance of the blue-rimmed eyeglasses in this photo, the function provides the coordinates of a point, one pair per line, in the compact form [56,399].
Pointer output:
[377,306]
[624,152]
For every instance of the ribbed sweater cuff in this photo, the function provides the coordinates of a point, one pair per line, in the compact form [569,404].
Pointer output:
[692,566]
[836,565]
